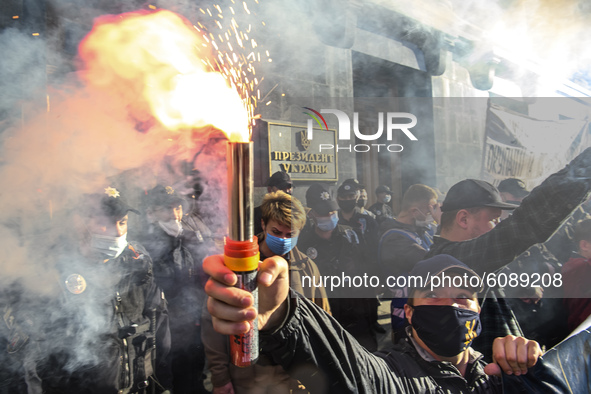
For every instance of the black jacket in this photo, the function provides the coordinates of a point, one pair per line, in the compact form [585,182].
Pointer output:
[381,210]
[104,339]
[315,349]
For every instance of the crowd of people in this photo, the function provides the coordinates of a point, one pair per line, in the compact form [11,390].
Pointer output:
[135,316]
[444,337]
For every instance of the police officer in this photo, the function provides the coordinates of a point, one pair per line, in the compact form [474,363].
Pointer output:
[337,251]
[382,208]
[348,195]
[362,202]
[179,275]
[112,331]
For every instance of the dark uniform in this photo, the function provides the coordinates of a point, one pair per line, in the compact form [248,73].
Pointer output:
[200,241]
[382,211]
[338,255]
[367,230]
[113,329]
[178,272]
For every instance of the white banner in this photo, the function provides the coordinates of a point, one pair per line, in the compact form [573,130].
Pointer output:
[529,149]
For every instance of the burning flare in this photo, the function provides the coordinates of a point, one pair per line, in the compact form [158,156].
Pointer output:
[160,62]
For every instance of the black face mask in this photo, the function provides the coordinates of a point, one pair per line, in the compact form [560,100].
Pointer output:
[446,330]
[361,202]
[347,205]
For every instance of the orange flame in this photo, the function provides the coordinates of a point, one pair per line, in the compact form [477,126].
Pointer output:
[158,61]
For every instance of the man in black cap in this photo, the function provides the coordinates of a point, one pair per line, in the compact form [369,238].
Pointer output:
[321,241]
[348,195]
[336,250]
[112,332]
[280,180]
[435,356]
[513,191]
[382,208]
[362,202]
[180,277]
[194,220]
[471,232]
[471,208]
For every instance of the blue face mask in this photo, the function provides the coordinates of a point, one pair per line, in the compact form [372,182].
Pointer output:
[280,246]
[327,223]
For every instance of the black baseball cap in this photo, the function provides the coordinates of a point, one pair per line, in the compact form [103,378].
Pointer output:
[110,204]
[355,182]
[436,265]
[163,196]
[319,198]
[281,180]
[514,186]
[350,186]
[472,193]
[383,189]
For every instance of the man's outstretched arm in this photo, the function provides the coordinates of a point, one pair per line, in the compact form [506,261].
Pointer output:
[295,333]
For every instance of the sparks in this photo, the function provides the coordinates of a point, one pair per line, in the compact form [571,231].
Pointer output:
[237,68]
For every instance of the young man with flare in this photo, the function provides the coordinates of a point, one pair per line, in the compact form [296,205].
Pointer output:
[283,217]
[434,357]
